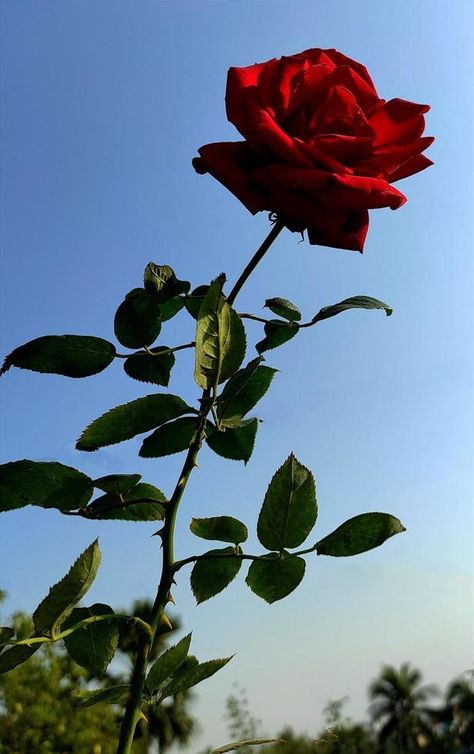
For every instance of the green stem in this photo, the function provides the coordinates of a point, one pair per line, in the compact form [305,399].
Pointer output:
[82,624]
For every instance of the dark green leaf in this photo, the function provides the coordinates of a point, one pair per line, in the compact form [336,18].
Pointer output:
[235,443]
[188,677]
[289,509]
[169,438]
[283,308]
[161,281]
[167,664]
[6,634]
[273,578]
[10,658]
[138,319]
[220,528]
[69,355]
[112,507]
[209,577]
[277,332]
[356,302]
[113,695]
[170,308]
[93,646]
[130,419]
[359,534]
[117,483]
[242,393]
[194,300]
[154,369]
[44,483]
[64,596]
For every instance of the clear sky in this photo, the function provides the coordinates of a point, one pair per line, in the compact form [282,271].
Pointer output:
[104,105]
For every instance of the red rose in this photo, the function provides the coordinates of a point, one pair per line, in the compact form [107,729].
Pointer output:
[321,148]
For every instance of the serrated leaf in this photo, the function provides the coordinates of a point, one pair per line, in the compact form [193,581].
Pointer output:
[194,300]
[68,355]
[355,302]
[283,308]
[272,578]
[44,483]
[161,281]
[6,634]
[209,577]
[289,508]
[359,534]
[93,646]
[243,393]
[137,321]
[277,332]
[113,695]
[220,339]
[64,596]
[235,443]
[112,507]
[188,677]
[130,419]
[167,664]
[15,656]
[170,308]
[117,483]
[172,437]
[220,528]
[155,369]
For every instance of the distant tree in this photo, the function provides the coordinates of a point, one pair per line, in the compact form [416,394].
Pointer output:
[241,724]
[460,703]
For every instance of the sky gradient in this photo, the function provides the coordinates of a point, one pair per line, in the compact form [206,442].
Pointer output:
[103,108]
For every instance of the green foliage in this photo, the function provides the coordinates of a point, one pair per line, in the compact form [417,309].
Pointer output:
[6,634]
[17,655]
[93,646]
[170,308]
[283,308]
[359,534]
[112,695]
[123,508]
[213,575]
[138,319]
[161,281]
[147,368]
[117,483]
[186,677]
[243,391]
[220,339]
[289,509]
[44,483]
[130,419]
[275,575]
[220,528]
[355,302]
[194,300]
[169,438]
[167,664]
[65,595]
[235,443]
[277,332]
[68,355]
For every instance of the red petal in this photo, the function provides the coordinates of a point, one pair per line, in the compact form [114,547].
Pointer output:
[339,59]
[411,166]
[354,192]
[238,81]
[350,236]
[397,121]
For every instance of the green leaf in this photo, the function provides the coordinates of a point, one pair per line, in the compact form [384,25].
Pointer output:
[161,281]
[69,355]
[246,742]
[155,369]
[235,443]
[6,634]
[169,438]
[194,300]
[209,577]
[242,392]
[277,332]
[130,419]
[356,302]
[10,658]
[187,677]
[64,596]
[44,483]
[117,483]
[137,322]
[283,308]
[113,695]
[220,339]
[167,664]
[112,507]
[359,534]
[170,308]
[93,646]
[289,508]
[220,528]
[273,577]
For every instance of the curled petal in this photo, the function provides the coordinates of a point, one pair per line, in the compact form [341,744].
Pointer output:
[397,121]
[354,192]
[410,167]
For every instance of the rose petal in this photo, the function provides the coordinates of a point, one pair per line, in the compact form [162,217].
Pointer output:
[309,88]
[354,192]
[397,121]
[238,81]
[351,234]
[363,92]
[413,165]
[340,59]
[345,149]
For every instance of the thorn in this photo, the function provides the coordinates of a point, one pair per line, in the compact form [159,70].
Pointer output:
[166,621]
[173,581]
[195,465]
[171,599]
[159,533]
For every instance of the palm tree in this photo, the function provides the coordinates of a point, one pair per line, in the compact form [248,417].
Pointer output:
[398,708]
[460,703]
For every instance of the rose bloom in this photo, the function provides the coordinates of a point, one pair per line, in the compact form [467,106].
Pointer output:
[321,148]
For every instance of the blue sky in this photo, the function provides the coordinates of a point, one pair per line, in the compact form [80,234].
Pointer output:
[103,108]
